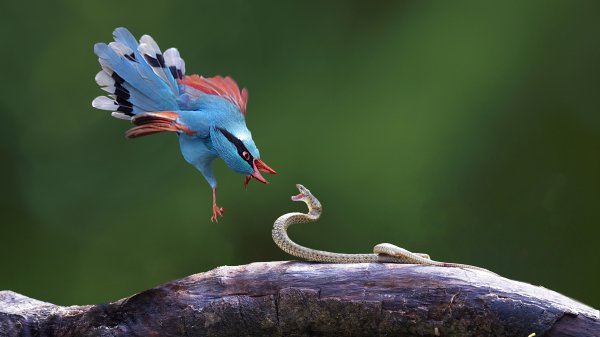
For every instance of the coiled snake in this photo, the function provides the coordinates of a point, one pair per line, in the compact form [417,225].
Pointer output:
[383,252]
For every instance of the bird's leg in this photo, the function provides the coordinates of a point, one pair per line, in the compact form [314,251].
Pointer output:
[216,210]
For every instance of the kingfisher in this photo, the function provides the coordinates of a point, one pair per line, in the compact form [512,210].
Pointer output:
[151,90]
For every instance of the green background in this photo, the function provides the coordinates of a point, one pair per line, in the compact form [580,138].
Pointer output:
[469,131]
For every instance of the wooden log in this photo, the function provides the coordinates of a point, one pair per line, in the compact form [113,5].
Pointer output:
[313,299]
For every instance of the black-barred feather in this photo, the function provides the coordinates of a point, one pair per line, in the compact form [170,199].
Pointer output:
[117,87]
[135,77]
[175,63]
[154,57]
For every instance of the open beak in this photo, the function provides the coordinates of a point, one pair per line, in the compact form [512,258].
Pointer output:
[259,166]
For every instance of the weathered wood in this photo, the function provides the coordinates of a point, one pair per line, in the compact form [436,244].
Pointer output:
[310,299]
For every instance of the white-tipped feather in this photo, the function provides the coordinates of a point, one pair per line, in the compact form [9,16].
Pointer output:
[149,48]
[120,115]
[120,48]
[105,66]
[173,59]
[104,79]
[146,49]
[147,39]
[104,103]
[110,89]
[132,74]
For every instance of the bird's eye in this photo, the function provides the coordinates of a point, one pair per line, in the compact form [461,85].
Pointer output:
[246,155]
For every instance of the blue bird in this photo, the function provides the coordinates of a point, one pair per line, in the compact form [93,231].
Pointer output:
[151,90]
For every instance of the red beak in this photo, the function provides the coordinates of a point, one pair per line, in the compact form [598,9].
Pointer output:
[259,166]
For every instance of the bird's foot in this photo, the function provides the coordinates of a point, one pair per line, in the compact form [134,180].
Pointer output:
[216,213]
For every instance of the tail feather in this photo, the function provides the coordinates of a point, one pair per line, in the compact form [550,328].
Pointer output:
[121,115]
[155,92]
[139,75]
[154,57]
[134,84]
[123,36]
[175,63]
[106,103]
[115,85]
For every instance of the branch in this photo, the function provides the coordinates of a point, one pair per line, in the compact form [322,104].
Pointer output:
[304,299]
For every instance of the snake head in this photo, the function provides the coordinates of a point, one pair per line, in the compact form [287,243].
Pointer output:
[304,193]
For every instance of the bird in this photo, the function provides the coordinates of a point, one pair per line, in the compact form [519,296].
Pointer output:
[151,90]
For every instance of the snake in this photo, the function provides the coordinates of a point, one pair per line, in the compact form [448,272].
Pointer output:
[382,253]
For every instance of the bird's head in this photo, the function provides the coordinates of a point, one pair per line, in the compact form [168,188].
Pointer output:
[240,153]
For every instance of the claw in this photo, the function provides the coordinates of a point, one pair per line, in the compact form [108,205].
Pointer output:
[216,210]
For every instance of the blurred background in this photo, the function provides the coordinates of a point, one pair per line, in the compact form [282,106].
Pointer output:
[470,132]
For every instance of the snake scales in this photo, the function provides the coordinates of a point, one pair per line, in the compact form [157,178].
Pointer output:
[383,252]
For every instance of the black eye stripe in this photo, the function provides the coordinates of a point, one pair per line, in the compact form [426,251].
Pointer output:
[241,148]
[238,143]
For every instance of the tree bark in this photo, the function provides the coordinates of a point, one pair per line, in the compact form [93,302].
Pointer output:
[312,299]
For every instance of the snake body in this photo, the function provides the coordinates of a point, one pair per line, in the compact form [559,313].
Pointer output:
[383,252]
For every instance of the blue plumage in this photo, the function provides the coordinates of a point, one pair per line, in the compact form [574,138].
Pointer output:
[151,90]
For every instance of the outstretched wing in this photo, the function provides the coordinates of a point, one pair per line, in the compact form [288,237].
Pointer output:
[150,88]
[218,86]
[137,76]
